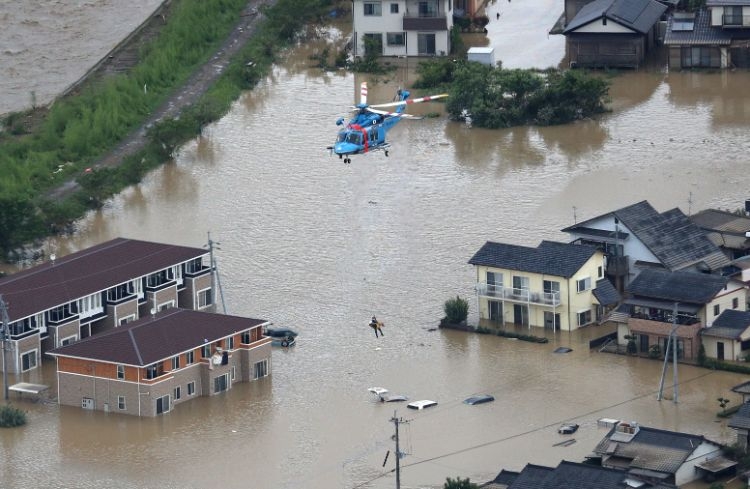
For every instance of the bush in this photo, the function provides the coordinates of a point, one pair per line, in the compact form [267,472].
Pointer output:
[456,310]
[11,417]
[654,351]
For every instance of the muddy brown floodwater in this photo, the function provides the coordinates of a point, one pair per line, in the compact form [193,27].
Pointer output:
[319,246]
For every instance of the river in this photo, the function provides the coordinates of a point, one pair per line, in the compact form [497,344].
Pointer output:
[310,243]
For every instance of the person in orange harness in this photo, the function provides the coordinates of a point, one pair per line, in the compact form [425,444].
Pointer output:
[376,326]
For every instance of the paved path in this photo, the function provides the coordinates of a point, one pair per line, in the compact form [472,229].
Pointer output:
[189,94]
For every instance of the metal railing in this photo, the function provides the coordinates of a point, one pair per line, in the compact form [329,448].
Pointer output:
[518,294]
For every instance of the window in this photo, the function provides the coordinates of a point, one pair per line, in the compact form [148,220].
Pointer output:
[600,272]
[121,371]
[121,403]
[126,319]
[177,392]
[205,298]
[373,8]
[191,388]
[234,373]
[68,340]
[426,43]
[584,317]
[521,286]
[28,360]
[735,303]
[245,337]
[189,357]
[230,343]
[261,369]
[394,8]
[494,281]
[716,310]
[206,351]
[551,290]
[373,43]
[175,362]
[583,284]
[194,266]
[395,39]
[152,371]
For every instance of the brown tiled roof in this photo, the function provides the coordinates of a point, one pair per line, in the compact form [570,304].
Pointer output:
[153,339]
[86,272]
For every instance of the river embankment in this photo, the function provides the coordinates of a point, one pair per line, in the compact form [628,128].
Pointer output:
[195,58]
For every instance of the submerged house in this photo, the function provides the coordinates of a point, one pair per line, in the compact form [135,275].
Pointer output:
[655,295]
[403,27]
[717,36]
[611,33]
[551,286]
[97,289]
[660,456]
[149,366]
[638,237]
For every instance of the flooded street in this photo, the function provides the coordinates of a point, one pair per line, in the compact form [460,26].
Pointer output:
[312,244]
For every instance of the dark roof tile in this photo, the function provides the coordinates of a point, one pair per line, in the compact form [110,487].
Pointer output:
[86,272]
[689,287]
[550,258]
[156,338]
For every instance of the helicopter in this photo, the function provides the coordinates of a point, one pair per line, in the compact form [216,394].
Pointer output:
[366,130]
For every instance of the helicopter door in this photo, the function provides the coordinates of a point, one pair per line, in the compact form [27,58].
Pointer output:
[372,134]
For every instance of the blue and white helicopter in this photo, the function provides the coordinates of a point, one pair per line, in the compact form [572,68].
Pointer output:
[365,132]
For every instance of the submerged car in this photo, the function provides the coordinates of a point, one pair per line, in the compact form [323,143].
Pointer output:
[480,399]
[280,333]
[567,428]
[423,404]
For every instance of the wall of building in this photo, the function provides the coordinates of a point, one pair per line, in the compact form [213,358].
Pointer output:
[687,472]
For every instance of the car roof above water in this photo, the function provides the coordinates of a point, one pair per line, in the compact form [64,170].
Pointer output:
[425,403]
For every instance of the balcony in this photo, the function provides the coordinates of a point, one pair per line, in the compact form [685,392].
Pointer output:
[526,296]
[425,22]
[730,21]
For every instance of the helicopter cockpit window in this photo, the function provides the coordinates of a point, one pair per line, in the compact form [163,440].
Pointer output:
[341,137]
[354,138]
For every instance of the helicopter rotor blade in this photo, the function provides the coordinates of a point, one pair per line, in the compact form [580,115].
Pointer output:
[394,114]
[412,101]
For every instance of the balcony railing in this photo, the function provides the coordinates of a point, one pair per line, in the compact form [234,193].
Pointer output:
[735,21]
[426,22]
[518,295]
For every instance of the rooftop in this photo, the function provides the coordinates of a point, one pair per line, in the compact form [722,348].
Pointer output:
[549,258]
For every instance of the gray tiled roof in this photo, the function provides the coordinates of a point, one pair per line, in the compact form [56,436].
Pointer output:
[675,240]
[741,418]
[731,323]
[719,220]
[152,339]
[703,34]
[639,15]
[86,272]
[606,293]
[549,258]
[567,475]
[651,449]
[686,287]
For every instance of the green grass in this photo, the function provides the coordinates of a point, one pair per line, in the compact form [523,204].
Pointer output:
[80,129]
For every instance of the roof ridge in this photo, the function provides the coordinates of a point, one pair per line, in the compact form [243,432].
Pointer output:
[135,346]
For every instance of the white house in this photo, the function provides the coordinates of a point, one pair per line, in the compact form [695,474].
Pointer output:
[403,28]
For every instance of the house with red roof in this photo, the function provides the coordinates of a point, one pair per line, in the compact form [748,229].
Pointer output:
[97,289]
[149,366]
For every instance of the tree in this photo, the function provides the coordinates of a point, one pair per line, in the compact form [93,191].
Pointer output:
[459,483]
[456,310]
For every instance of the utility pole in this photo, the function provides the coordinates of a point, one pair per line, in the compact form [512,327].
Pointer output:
[215,278]
[673,342]
[396,422]
[4,334]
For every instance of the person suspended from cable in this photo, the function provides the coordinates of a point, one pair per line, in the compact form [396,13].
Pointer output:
[377,326]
